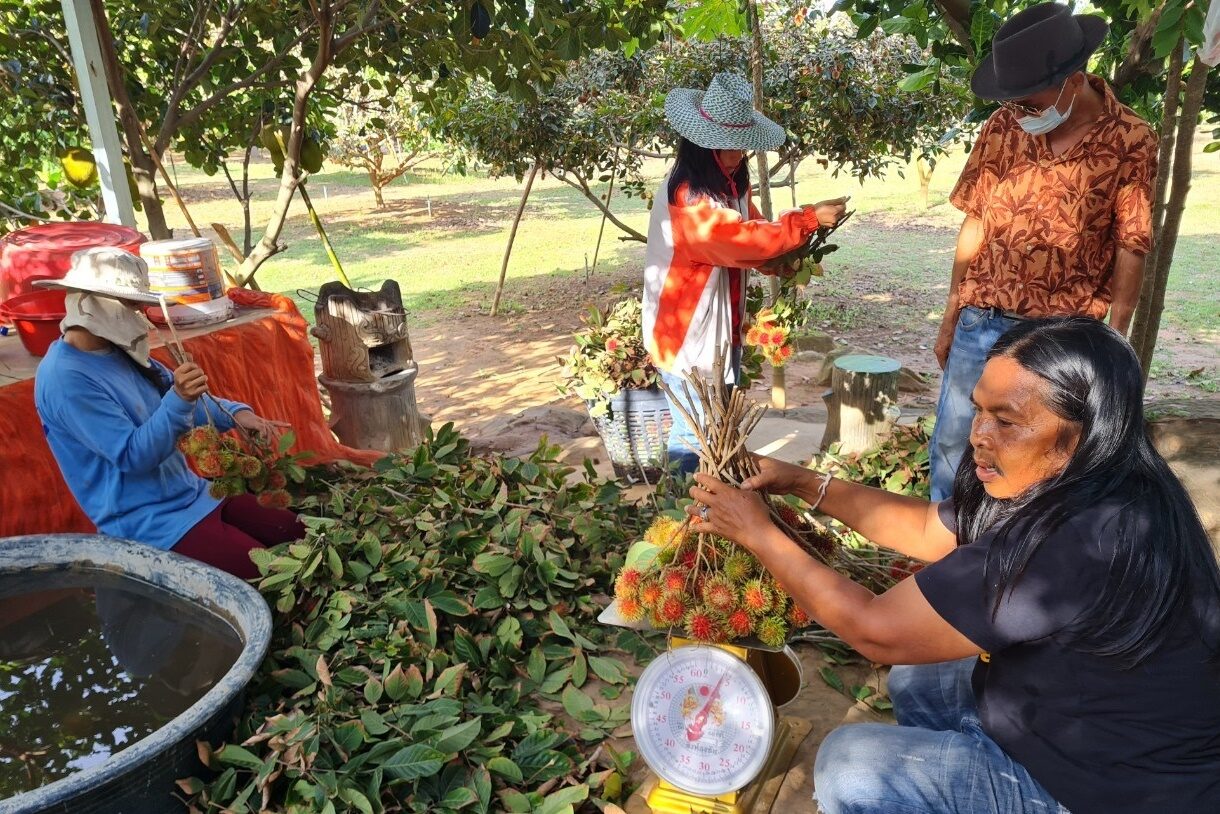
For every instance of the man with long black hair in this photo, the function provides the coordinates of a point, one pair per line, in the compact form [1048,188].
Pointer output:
[1066,631]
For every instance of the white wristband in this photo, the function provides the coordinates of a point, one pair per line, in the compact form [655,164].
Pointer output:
[826,479]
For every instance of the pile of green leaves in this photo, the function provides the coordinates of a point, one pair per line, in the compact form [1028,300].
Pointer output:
[899,464]
[435,645]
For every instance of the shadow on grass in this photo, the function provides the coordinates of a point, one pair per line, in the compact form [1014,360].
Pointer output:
[562,290]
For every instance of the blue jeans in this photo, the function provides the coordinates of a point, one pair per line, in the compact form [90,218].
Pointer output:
[976,332]
[682,439]
[937,760]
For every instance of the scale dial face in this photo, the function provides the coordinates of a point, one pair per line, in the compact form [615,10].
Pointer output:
[702,720]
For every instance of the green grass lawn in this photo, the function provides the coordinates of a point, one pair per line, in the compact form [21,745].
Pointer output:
[452,257]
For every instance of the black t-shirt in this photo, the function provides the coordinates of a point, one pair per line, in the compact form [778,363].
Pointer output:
[1101,739]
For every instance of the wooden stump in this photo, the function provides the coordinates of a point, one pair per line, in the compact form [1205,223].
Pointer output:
[362,336]
[367,367]
[376,415]
[862,403]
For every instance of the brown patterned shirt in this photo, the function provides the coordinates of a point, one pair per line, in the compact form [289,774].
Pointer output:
[1052,224]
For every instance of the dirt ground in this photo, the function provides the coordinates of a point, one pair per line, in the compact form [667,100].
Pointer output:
[475,368]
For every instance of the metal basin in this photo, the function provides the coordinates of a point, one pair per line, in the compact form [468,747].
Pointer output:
[139,779]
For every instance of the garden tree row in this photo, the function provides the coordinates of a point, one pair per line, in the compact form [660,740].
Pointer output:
[208,77]
[1147,59]
[837,95]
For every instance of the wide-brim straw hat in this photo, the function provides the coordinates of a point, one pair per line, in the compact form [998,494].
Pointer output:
[1037,49]
[107,271]
[722,117]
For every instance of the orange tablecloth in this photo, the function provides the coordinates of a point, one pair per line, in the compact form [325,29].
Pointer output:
[266,362]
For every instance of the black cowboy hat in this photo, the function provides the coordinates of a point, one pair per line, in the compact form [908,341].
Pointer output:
[1037,49]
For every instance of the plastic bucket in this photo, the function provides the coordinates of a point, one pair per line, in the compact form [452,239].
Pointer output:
[44,252]
[36,316]
[186,271]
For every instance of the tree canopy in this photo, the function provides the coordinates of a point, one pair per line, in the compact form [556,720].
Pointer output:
[838,97]
[206,77]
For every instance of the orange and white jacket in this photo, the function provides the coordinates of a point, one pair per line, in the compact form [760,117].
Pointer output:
[692,245]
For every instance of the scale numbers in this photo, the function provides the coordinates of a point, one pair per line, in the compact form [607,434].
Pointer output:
[702,720]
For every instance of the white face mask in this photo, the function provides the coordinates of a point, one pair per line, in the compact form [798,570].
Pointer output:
[111,320]
[1049,119]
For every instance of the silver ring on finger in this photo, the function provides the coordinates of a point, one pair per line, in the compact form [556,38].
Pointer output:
[703,513]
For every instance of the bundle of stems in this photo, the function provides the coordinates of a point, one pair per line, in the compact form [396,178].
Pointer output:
[722,418]
[180,356]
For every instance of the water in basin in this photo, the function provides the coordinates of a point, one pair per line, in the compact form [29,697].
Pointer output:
[90,663]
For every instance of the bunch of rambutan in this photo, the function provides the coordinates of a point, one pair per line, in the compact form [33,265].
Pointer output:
[768,333]
[710,588]
[235,468]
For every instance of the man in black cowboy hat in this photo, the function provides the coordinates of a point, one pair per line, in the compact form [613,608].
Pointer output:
[1057,194]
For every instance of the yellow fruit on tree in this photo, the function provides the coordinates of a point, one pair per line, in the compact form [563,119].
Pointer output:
[79,167]
[311,155]
[132,187]
[268,137]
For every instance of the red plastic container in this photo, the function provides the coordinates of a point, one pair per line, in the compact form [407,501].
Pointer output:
[36,316]
[44,252]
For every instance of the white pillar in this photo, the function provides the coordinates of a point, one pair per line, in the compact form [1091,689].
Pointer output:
[99,113]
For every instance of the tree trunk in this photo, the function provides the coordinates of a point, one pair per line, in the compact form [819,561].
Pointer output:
[1139,51]
[142,166]
[861,406]
[957,14]
[925,170]
[375,180]
[246,224]
[512,235]
[597,249]
[377,415]
[1169,124]
[269,245]
[779,394]
[1192,104]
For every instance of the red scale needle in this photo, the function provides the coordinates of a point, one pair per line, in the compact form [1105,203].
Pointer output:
[694,730]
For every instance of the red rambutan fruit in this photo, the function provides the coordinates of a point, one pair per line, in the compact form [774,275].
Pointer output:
[650,593]
[702,626]
[674,580]
[719,595]
[630,609]
[628,583]
[740,623]
[756,597]
[673,609]
[208,464]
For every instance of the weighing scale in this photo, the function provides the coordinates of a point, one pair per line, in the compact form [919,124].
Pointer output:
[704,720]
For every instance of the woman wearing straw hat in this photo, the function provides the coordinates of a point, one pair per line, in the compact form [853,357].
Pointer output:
[704,234]
[113,416]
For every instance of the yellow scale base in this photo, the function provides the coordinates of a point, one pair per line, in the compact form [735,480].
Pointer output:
[755,798]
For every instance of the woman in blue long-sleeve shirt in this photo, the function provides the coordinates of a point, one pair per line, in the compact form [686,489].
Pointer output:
[112,417]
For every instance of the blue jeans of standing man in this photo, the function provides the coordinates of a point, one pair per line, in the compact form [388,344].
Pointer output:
[977,330]
[937,760]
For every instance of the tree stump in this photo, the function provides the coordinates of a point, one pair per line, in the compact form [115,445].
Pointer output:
[376,415]
[362,335]
[367,367]
[862,403]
